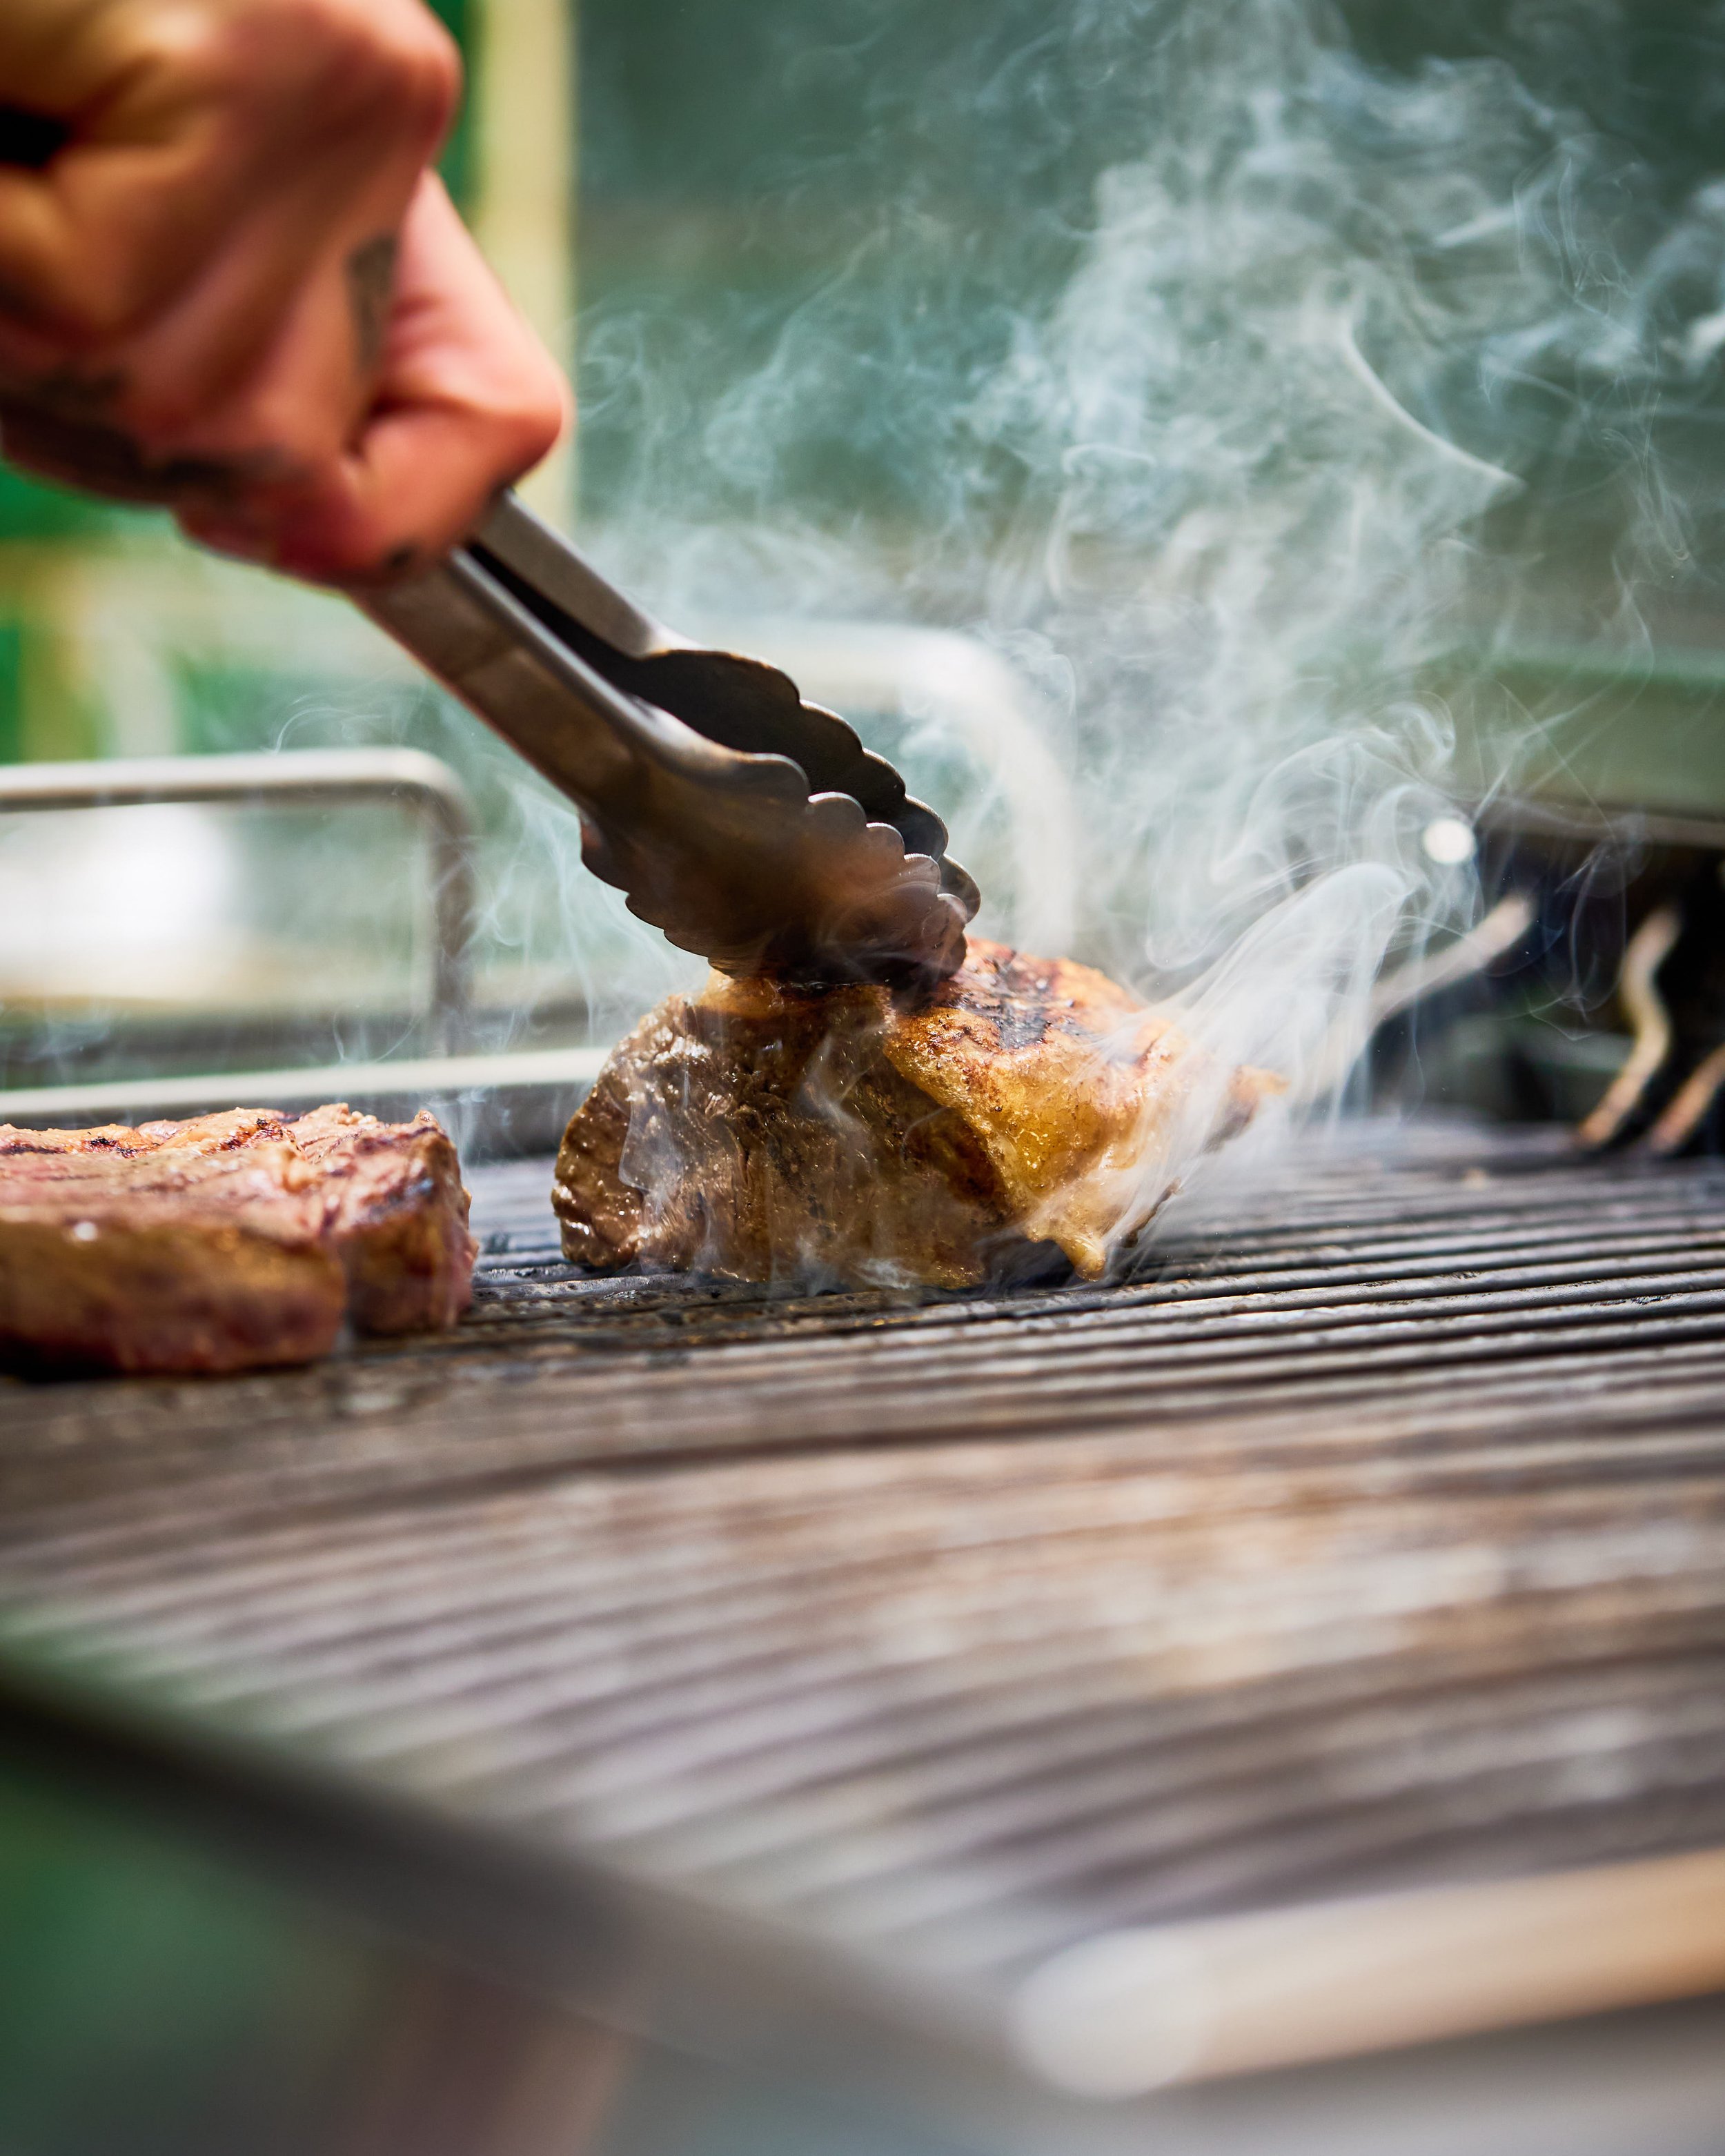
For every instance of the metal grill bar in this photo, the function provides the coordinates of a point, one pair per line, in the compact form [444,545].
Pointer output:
[431,1424]
[1378,1543]
[317,778]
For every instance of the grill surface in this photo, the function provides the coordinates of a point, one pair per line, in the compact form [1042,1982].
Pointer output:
[1378,1543]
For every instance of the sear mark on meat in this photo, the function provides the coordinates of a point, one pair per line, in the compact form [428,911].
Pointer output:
[228,1242]
[990,1129]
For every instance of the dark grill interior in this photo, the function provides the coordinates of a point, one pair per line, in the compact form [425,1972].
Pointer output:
[1379,1541]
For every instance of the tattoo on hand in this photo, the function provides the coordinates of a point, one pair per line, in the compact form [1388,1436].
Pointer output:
[77,395]
[371,288]
[87,453]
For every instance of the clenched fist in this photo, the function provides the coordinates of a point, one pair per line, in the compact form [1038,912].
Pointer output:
[230,281]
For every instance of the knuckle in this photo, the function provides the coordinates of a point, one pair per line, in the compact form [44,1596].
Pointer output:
[534,420]
[394,59]
[435,67]
[387,63]
[389,57]
[548,413]
[542,427]
[529,414]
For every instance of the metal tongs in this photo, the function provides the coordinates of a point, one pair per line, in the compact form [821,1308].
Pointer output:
[749,826]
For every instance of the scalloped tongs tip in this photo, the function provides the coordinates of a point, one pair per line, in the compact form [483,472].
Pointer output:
[745,823]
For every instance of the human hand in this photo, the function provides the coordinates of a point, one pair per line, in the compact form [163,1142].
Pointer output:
[229,281]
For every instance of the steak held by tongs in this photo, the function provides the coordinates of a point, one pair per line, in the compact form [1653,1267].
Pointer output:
[1025,1114]
[856,1096]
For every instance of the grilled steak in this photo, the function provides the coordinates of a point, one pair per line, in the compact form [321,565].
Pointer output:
[996,1124]
[228,1241]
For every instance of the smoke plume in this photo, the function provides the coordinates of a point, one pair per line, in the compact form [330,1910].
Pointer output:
[1230,420]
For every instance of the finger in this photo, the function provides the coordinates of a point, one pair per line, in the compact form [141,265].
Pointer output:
[159,254]
[292,419]
[194,389]
[185,117]
[421,482]
[468,400]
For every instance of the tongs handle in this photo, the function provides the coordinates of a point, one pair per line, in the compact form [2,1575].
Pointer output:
[550,573]
[463,622]
[747,825]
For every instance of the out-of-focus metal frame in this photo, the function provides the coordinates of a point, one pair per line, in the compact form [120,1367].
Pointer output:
[312,778]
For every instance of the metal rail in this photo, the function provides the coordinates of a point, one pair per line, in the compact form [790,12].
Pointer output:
[514,1101]
[298,777]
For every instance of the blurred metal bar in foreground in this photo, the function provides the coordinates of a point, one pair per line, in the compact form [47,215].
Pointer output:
[1132,2011]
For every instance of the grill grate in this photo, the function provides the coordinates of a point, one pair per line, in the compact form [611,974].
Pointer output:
[1379,1542]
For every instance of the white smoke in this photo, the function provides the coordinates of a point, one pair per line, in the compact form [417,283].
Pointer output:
[1237,490]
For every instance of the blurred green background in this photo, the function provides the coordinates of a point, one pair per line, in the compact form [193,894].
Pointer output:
[914,183]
